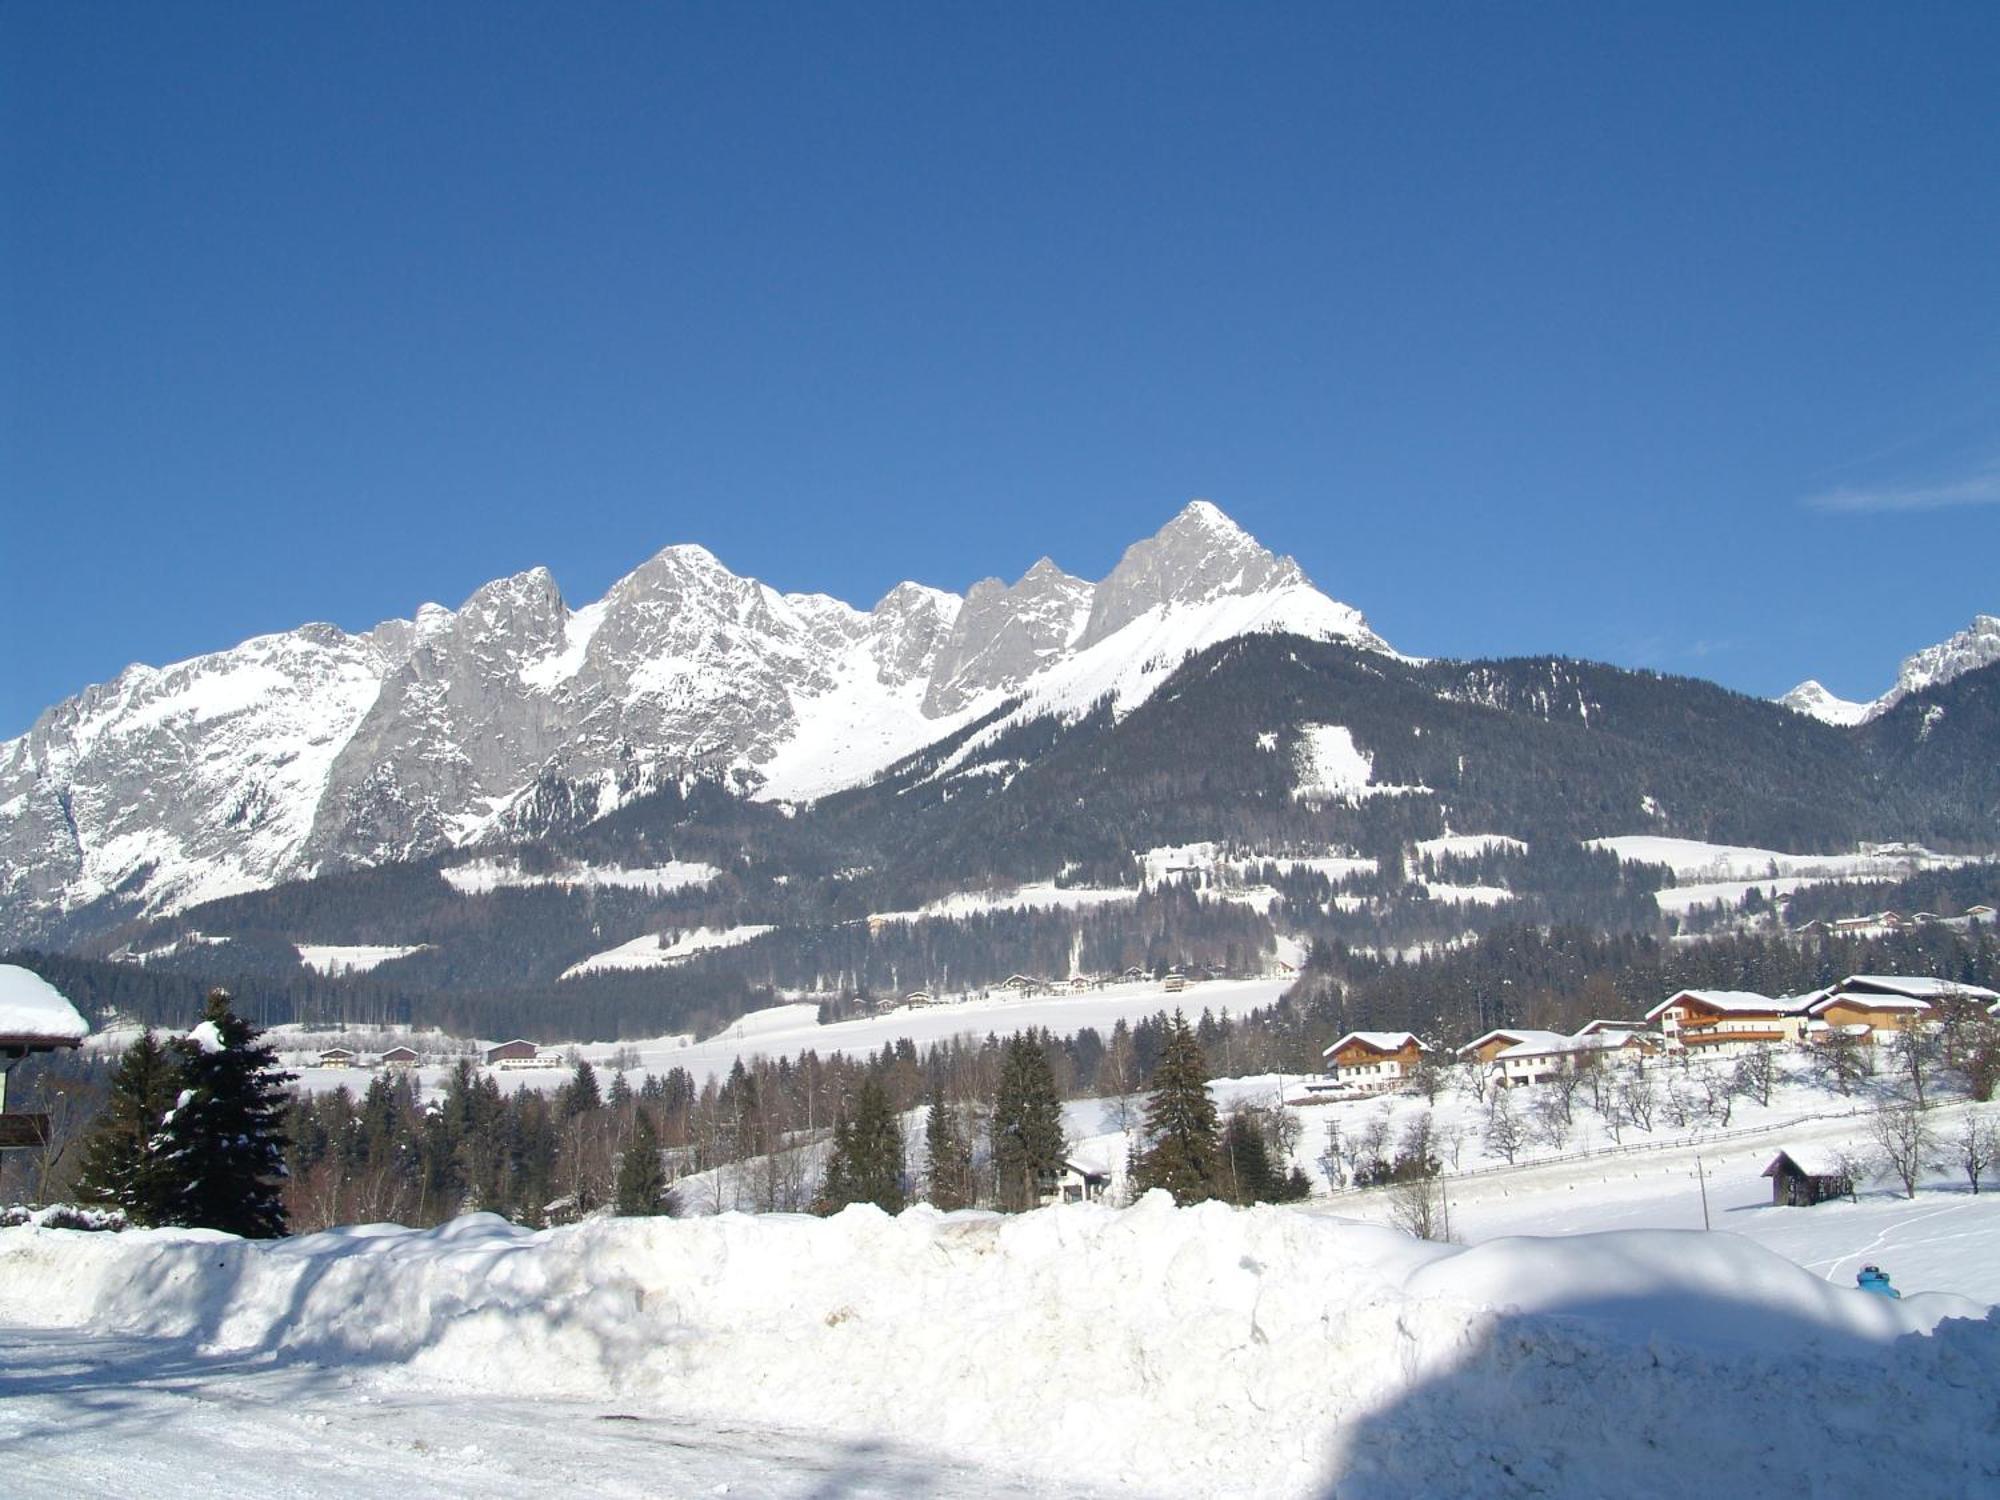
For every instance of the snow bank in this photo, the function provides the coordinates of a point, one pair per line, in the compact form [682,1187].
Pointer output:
[33,1009]
[1210,1351]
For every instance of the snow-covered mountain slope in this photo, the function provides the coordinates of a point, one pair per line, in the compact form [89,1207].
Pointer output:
[316,749]
[1978,645]
[1816,702]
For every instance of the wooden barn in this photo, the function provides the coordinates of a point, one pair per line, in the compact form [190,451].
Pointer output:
[516,1052]
[1801,1179]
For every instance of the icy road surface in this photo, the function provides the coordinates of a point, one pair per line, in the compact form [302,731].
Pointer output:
[84,1414]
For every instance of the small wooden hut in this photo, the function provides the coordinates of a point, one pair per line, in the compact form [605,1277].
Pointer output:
[1800,1179]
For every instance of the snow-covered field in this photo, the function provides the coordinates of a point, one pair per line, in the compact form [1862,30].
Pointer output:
[1157,1351]
[479,876]
[1705,874]
[793,1030]
[351,958]
[655,951]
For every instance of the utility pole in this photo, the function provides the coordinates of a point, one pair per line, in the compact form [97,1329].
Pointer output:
[1702,1180]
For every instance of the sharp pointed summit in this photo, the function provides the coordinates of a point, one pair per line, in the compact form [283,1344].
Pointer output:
[1976,646]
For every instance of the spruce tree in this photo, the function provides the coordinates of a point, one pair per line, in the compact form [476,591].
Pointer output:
[1180,1149]
[225,1135]
[642,1179]
[1027,1131]
[580,1095]
[867,1161]
[1248,1170]
[124,1163]
[948,1177]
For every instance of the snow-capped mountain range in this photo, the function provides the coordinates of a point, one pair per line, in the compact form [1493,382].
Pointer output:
[1972,648]
[316,749]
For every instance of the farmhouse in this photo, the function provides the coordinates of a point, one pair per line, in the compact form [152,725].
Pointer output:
[1800,1179]
[1077,1182]
[400,1057]
[1021,984]
[1867,1005]
[517,1053]
[1374,1062]
[1719,1021]
[1516,1055]
[1488,1047]
[337,1057]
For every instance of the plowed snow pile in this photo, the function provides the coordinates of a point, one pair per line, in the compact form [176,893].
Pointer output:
[1200,1351]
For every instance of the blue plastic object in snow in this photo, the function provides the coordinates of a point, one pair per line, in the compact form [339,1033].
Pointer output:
[1875,1279]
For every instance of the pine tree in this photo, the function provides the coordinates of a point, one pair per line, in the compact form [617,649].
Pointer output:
[124,1162]
[642,1179]
[580,1095]
[948,1178]
[224,1137]
[1027,1131]
[1180,1149]
[867,1161]
[1248,1170]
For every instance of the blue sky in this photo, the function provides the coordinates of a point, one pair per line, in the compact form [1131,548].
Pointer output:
[1665,336]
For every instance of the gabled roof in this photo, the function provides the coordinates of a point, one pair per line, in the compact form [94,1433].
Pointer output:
[1737,1002]
[1515,1036]
[1556,1044]
[1910,987]
[1814,1161]
[1592,1028]
[1380,1041]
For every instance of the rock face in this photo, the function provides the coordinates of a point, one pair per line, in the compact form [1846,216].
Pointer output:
[1972,648]
[316,749]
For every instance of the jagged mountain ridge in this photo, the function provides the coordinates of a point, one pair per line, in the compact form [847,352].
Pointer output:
[1978,645]
[317,749]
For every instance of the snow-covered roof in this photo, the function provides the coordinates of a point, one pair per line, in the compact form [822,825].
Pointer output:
[1814,1161]
[1864,998]
[1547,1043]
[34,1012]
[1516,1036]
[1911,986]
[1734,1001]
[1592,1028]
[1381,1041]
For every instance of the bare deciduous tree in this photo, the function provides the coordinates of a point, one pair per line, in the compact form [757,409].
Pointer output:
[1975,1147]
[1504,1135]
[1638,1098]
[1755,1074]
[1417,1206]
[1904,1141]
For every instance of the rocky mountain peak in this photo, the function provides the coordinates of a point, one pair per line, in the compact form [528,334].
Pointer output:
[1002,634]
[1198,556]
[1978,645]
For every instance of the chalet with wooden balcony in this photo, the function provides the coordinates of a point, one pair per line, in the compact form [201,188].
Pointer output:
[1871,1006]
[1723,1021]
[1373,1062]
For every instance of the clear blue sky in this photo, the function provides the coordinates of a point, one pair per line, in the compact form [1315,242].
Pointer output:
[1664,335]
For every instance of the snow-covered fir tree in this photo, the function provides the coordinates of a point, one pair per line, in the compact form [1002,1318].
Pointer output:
[1180,1152]
[124,1160]
[223,1139]
[1027,1129]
